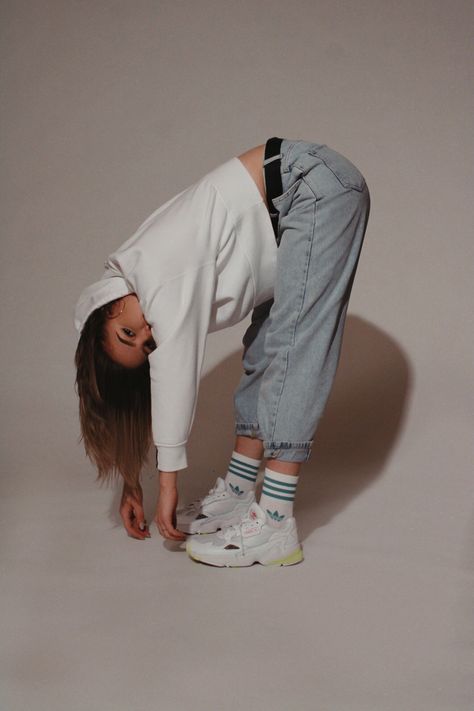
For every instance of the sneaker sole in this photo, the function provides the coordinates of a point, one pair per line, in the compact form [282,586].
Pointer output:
[295,557]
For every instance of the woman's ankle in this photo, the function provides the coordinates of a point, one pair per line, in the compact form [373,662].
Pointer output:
[249,446]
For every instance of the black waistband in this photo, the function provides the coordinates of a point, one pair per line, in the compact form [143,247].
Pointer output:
[273,185]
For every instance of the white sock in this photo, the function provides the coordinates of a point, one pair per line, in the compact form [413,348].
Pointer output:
[278,494]
[242,473]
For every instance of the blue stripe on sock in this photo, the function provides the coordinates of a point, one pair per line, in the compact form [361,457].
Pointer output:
[280,491]
[243,476]
[249,468]
[275,496]
[280,483]
[238,470]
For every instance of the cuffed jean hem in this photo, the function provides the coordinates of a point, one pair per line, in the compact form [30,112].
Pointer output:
[284,451]
[288,451]
[248,429]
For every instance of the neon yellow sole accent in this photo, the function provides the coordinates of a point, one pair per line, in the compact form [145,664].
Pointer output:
[191,555]
[295,557]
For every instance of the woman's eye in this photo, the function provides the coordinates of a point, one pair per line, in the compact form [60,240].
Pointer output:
[128,332]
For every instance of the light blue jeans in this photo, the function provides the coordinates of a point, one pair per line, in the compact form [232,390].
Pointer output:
[293,344]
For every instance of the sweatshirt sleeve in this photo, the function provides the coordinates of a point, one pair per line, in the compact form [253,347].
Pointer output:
[179,315]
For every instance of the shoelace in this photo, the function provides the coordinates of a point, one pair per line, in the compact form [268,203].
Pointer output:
[228,532]
[197,503]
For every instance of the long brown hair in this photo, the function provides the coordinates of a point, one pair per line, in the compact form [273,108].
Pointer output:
[114,406]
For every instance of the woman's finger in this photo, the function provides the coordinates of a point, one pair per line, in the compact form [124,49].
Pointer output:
[130,523]
[176,535]
[140,519]
[173,531]
[134,533]
[161,528]
[168,531]
[143,526]
[137,530]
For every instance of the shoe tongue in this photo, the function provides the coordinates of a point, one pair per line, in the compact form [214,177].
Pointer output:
[256,513]
[219,485]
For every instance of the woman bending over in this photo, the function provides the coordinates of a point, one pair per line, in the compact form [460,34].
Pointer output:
[276,232]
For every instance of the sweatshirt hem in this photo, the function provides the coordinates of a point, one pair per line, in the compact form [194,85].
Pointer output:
[170,458]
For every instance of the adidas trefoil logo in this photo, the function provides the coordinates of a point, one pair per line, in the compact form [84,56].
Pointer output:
[275,515]
[236,490]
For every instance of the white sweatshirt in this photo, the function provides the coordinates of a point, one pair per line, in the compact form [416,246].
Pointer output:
[199,263]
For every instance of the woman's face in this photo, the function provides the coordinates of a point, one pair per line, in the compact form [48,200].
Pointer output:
[128,337]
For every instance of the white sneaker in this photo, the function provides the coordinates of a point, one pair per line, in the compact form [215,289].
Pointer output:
[222,506]
[253,540]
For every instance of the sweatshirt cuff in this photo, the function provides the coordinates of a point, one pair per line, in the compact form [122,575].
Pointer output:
[171,458]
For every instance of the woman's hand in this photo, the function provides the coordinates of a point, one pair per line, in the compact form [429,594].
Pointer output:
[165,517]
[131,512]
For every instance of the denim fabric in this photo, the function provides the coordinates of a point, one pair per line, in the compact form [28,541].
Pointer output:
[293,344]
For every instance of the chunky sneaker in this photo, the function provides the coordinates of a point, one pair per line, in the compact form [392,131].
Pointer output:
[253,540]
[224,505]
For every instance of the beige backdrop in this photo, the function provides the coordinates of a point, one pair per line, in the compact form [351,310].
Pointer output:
[109,108]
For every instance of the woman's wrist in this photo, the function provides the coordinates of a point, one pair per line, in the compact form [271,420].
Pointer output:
[168,480]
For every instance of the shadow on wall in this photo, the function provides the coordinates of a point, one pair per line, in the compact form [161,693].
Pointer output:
[355,436]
